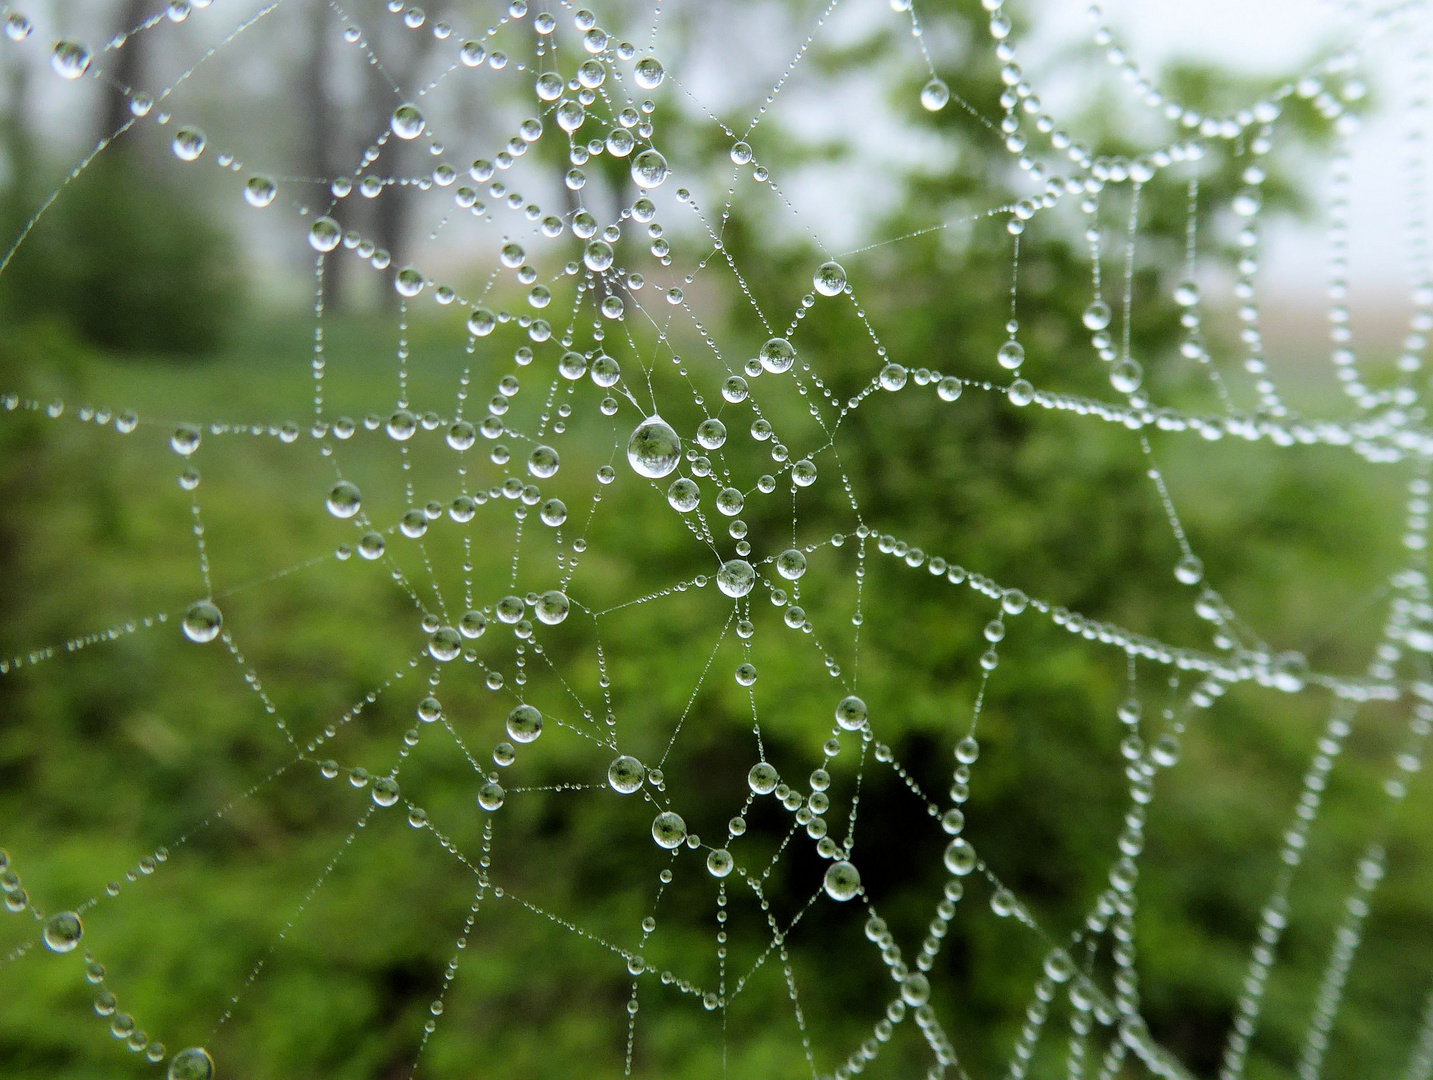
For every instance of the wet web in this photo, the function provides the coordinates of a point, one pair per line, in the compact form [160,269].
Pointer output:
[611,339]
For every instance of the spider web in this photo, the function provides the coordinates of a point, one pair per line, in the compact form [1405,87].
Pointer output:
[522,600]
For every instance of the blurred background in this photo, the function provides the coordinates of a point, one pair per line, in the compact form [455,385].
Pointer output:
[151,284]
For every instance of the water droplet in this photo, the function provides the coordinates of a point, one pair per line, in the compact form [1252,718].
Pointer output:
[1186,294]
[648,73]
[324,235]
[202,622]
[1011,355]
[684,495]
[1058,965]
[949,388]
[185,439]
[407,121]
[191,1064]
[551,607]
[524,724]
[490,796]
[70,59]
[62,932]
[843,881]
[1021,393]
[408,282]
[851,713]
[344,499]
[542,462]
[188,144]
[777,355]
[669,830]
[259,191]
[1126,376]
[830,279]
[934,95]
[1003,902]
[959,857]
[735,578]
[384,791]
[762,778]
[649,169]
[915,990]
[625,774]
[445,644]
[719,863]
[791,564]
[654,449]
[1189,570]
[892,377]
[1097,315]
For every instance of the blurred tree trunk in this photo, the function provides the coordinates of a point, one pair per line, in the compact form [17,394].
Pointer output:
[324,138]
[18,142]
[128,71]
[404,54]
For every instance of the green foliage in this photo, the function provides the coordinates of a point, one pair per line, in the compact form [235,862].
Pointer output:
[126,262]
[125,745]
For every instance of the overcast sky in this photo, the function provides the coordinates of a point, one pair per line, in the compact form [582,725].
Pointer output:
[1276,36]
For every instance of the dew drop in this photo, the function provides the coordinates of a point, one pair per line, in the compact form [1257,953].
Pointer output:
[202,622]
[1096,316]
[259,191]
[851,713]
[654,449]
[324,235]
[188,144]
[736,578]
[70,59]
[191,1064]
[669,830]
[934,95]
[62,932]
[649,169]
[407,121]
[777,355]
[625,774]
[830,279]
[551,607]
[843,881]
[648,74]
[344,499]
[524,724]
[1189,570]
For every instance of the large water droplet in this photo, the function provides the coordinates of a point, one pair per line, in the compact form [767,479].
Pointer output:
[669,830]
[934,95]
[735,578]
[625,774]
[830,279]
[777,355]
[649,73]
[324,235]
[70,59]
[344,499]
[191,1064]
[202,622]
[649,169]
[654,449]
[62,932]
[843,881]
[188,144]
[407,121]
[524,724]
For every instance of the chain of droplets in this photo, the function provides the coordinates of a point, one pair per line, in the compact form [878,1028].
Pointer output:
[1115,1053]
